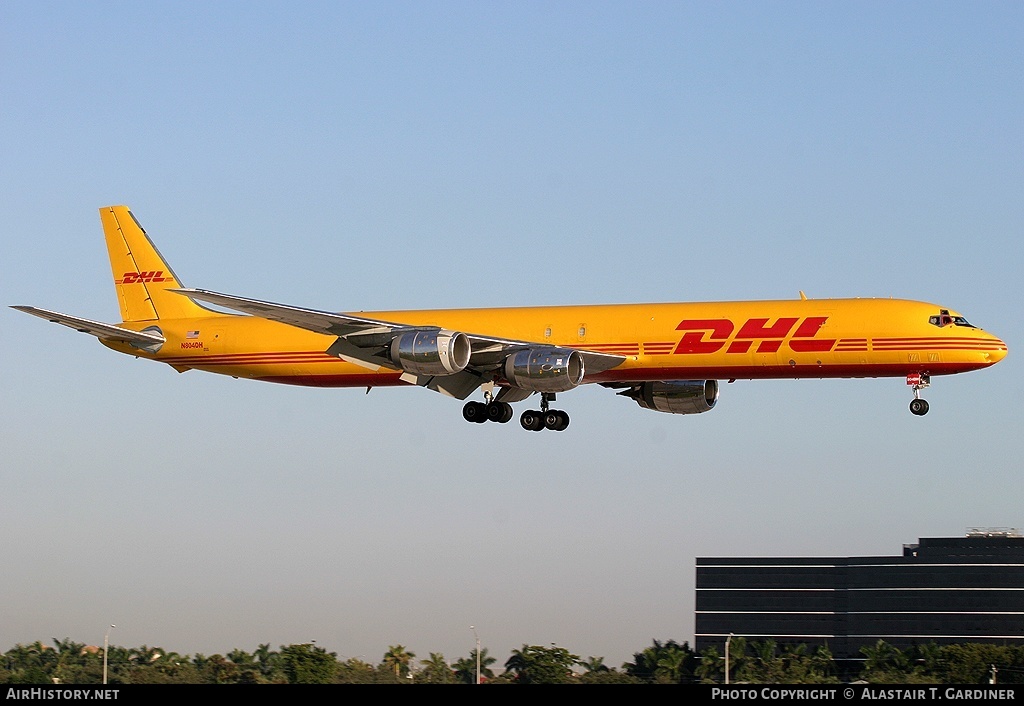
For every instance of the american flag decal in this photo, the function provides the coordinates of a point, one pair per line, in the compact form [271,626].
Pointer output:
[192,334]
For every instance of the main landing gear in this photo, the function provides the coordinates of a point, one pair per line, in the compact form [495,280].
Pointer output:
[491,411]
[554,419]
[532,420]
[918,381]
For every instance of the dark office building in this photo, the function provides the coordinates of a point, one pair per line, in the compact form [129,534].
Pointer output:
[948,590]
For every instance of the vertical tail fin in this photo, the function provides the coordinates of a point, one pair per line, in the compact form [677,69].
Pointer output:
[142,277]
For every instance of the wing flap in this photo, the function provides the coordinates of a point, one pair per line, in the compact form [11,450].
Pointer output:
[342,348]
[310,319]
[460,385]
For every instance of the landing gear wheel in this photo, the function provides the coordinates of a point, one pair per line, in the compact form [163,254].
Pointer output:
[532,420]
[556,420]
[563,421]
[500,412]
[475,412]
[919,406]
[551,419]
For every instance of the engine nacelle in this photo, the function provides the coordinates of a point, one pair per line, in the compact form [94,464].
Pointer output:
[545,369]
[676,396]
[431,352]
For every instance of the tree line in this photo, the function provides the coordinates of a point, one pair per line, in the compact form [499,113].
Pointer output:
[765,662]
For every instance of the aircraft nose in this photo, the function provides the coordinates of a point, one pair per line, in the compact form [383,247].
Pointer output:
[997,352]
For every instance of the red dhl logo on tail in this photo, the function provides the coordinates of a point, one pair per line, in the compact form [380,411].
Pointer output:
[711,335]
[136,277]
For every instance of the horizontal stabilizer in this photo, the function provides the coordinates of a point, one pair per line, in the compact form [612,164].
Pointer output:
[107,332]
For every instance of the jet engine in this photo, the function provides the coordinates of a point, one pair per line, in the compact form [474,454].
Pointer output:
[676,396]
[431,352]
[544,369]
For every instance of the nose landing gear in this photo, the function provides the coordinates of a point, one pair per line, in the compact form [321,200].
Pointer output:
[918,381]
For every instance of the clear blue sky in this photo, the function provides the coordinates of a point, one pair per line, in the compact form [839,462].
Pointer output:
[361,156]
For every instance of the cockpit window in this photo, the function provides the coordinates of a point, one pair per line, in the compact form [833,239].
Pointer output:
[945,319]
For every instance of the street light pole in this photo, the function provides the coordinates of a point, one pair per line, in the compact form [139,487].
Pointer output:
[477,653]
[106,645]
[727,657]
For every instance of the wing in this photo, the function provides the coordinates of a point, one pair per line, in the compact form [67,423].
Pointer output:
[368,342]
[108,332]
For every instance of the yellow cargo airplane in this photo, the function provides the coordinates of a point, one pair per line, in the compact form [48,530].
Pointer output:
[667,357]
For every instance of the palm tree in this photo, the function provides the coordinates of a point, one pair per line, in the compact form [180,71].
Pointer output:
[71,660]
[248,671]
[173,665]
[823,665]
[663,663]
[267,659]
[398,658]
[221,671]
[465,669]
[885,663]
[672,664]
[67,646]
[485,664]
[737,656]
[930,656]
[436,670]
[645,665]
[710,669]
[31,664]
[240,657]
[144,654]
[765,666]
[534,664]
